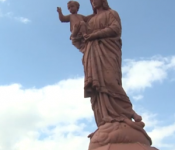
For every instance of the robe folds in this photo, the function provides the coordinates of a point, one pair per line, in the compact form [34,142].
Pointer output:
[102,69]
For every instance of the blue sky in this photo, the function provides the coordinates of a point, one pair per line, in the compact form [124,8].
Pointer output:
[41,73]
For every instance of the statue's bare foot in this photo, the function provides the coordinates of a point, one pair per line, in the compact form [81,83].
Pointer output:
[137,117]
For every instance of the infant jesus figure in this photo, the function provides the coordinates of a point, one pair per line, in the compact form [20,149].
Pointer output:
[78,26]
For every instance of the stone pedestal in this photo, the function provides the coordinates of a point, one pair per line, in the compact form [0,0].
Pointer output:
[125,135]
[132,146]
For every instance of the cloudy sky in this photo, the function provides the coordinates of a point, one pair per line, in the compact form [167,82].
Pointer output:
[41,74]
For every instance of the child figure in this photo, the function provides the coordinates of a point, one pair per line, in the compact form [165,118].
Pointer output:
[77,22]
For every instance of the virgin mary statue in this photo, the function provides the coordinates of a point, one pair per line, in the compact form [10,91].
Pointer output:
[103,84]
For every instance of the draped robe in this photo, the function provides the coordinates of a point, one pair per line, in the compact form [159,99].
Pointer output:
[102,68]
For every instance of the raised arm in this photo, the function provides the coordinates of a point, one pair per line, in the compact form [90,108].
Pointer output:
[62,17]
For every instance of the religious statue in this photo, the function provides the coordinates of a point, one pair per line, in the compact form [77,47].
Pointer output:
[98,37]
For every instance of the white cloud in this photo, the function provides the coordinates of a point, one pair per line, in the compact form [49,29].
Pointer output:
[24,113]
[23,20]
[2,0]
[140,74]
[159,134]
[8,14]
[11,15]
[150,119]
[171,65]
[138,97]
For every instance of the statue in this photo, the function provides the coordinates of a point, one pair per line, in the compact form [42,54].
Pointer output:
[99,39]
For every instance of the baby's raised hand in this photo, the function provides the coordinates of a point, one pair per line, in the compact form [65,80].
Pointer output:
[59,9]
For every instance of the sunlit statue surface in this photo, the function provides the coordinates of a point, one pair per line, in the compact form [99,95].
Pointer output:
[98,37]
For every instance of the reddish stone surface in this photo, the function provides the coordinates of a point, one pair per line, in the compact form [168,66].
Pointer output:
[98,37]
[117,133]
[133,146]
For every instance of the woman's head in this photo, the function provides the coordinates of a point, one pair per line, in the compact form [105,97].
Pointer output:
[96,4]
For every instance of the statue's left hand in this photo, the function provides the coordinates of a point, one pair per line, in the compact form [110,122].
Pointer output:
[90,37]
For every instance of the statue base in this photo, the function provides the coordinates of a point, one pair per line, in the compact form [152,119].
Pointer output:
[126,135]
[131,146]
